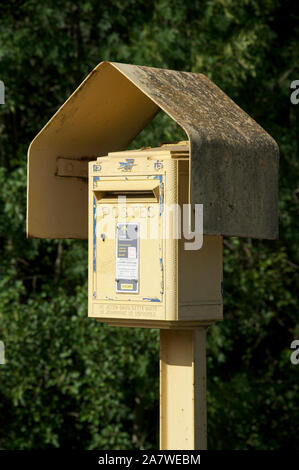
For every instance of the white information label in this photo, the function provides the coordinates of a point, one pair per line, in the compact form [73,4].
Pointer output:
[127,262]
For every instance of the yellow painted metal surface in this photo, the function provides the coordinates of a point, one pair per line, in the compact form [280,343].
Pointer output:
[183,422]
[175,288]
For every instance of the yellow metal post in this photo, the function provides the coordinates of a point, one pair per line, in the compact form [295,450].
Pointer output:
[183,423]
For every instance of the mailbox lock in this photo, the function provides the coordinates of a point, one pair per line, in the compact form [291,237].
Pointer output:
[103,236]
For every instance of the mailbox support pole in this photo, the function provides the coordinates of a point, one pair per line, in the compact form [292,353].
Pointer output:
[183,422]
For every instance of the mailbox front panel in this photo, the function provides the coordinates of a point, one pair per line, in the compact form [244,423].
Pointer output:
[128,266]
[130,263]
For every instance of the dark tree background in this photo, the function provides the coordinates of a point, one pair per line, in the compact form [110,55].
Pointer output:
[69,381]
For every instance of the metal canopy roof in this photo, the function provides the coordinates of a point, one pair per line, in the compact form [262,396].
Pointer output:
[234,162]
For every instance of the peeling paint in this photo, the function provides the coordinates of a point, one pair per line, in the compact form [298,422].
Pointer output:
[127,165]
[149,299]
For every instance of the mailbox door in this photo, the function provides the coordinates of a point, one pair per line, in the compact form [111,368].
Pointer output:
[127,241]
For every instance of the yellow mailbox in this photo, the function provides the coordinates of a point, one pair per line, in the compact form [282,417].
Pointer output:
[142,271]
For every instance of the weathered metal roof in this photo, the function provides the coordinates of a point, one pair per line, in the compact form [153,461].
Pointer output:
[234,162]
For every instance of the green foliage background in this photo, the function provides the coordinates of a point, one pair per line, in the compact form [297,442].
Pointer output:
[68,381]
